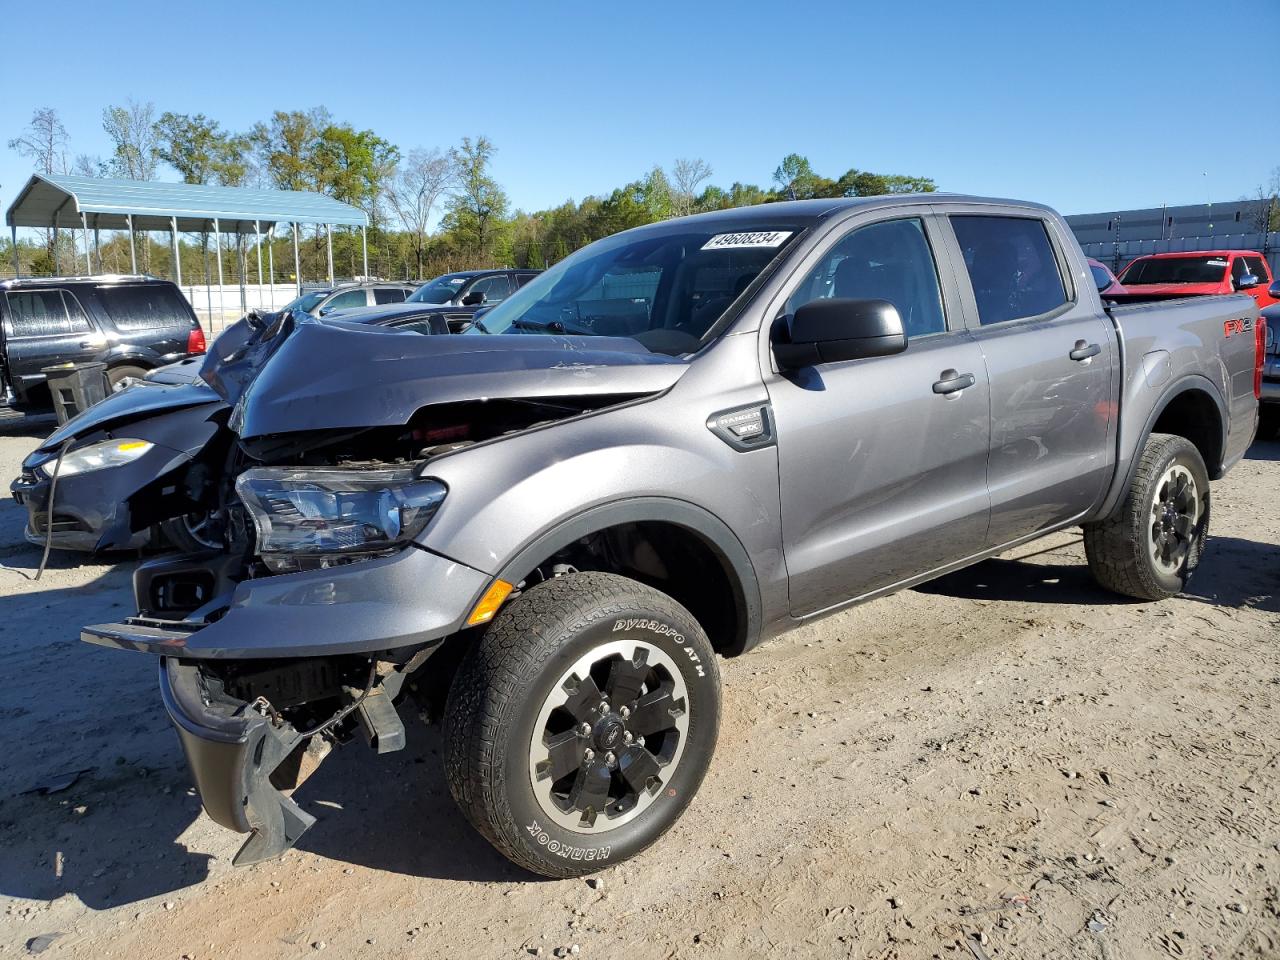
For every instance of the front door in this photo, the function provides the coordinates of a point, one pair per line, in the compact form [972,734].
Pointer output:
[882,460]
[1050,354]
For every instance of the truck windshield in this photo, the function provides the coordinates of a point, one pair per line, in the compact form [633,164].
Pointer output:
[665,290]
[1175,270]
[439,290]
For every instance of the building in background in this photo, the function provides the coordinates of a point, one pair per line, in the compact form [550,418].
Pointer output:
[1117,236]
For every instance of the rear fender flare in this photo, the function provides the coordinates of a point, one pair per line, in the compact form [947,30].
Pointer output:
[1127,464]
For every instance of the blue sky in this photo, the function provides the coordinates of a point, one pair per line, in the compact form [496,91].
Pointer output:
[1082,105]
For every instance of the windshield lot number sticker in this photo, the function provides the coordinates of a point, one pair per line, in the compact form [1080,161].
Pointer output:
[759,238]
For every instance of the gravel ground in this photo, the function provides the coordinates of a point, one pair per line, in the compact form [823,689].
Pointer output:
[1007,762]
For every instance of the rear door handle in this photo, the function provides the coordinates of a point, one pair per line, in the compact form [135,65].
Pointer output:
[1083,351]
[953,382]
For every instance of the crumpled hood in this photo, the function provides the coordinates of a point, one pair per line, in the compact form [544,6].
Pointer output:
[136,402]
[332,375]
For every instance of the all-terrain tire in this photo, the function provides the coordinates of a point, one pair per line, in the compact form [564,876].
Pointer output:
[1119,549]
[500,695]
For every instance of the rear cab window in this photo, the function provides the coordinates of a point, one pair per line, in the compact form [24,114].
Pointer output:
[1012,266]
[1196,268]
[158,307]
[388,295]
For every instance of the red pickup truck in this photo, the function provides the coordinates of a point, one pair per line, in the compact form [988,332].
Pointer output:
[1198,273]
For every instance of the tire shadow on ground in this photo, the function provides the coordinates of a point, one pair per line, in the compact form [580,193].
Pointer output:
[395,813]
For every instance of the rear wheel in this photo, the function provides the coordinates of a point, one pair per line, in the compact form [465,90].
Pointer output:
[116,375]
[581,724]
[1150,548]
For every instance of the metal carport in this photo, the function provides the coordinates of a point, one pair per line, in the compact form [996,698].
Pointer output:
[84,203]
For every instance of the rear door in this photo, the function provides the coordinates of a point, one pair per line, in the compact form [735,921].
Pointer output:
[882,460]
[1050,356]
[44,327]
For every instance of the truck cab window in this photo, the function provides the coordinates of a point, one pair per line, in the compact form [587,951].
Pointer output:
[884,261]
[1011,265]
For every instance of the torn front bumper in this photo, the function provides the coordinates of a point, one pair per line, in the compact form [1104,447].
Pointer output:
[232,750]
[406,599]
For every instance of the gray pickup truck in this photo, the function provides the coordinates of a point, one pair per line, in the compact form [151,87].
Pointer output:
[679,442]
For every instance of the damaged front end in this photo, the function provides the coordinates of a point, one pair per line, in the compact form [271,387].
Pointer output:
[304,631]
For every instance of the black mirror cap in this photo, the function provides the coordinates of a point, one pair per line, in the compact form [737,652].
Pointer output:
[829,331]
[472,298]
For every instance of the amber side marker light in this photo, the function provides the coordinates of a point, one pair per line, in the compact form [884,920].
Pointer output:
[489,603]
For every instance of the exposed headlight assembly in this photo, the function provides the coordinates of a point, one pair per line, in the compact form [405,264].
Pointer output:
[310,517]
[96,456]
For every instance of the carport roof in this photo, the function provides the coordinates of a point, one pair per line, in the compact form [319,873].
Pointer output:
[58,200]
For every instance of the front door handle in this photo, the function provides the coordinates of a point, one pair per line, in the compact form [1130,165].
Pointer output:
[1084,351]
[953,382]
[86,344]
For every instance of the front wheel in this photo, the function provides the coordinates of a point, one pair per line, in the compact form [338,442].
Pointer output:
[1151,546]
[581,724]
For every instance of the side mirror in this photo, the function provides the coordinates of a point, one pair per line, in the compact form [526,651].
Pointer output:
[828,331]
[1247,282]
[1101,281]
[472,298]
[1274,290]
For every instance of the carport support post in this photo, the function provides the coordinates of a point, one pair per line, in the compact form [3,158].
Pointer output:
[271,264]
[84,225]
[17,267]
[133,254]
[177,254]
[257,236]
[97,245]
[328,232]
[364,247]
[217,249]
[297,264]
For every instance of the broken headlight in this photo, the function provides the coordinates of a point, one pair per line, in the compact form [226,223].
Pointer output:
[310,517]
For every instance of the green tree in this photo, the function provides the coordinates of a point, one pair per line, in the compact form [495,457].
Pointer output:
[478,206]
[286,146]
[133,137]
[200,150]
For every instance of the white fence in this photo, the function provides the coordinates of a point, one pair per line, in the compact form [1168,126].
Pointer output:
[220,306]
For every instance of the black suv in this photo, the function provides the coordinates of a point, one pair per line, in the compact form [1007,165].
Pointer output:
[129,323]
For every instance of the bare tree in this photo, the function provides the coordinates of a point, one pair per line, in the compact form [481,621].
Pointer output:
[420,180]
[44,143]
[132,129]
[686,176]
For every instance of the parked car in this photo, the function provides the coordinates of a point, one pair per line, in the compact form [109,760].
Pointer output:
[347,296]
[676,443]
[1202,273]
[1104,279]
[130,323]
[458,296]
[126,494]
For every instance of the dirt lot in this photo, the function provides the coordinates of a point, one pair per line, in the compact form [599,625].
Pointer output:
[1007,758]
